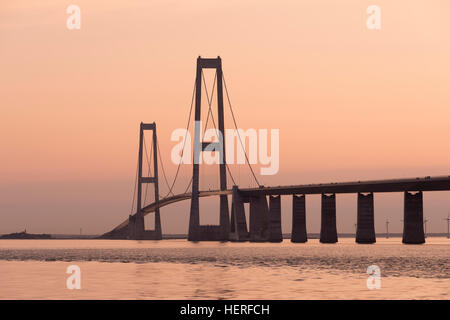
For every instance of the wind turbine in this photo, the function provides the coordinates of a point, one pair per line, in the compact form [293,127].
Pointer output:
[425,223]
[448,225]
[402,221]
[387,228]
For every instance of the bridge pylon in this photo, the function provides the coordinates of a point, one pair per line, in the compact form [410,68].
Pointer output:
[413,232]
[328,230]
[365,232]
[299,234]
[136,225]
[196,231]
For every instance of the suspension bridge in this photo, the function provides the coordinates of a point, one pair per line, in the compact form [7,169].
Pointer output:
[264,202]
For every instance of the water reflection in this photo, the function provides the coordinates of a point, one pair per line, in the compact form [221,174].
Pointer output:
[176,269]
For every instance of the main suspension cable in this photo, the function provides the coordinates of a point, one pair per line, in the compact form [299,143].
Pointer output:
[184,144]
[239,136]
[163,170]
[214,122]
[135,185]
[187,130]
[149,160]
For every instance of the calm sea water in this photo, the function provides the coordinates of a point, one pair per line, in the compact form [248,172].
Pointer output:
[178,269]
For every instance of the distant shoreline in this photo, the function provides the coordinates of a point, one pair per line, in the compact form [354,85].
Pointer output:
[27,236]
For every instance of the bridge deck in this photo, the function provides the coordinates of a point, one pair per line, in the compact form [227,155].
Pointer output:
[394,185]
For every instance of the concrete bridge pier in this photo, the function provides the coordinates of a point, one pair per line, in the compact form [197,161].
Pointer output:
[275,234]
[259,219]
[328,230]
[131,227]
[413,232]
[365,232]
[298,219]
[156,233]
[158,229]
[136,227]
[238,228]
[224,218]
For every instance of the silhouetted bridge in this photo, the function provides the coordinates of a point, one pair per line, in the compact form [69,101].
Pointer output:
[265,216]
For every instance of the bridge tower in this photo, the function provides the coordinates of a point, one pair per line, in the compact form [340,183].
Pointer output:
[196,231]
[136,226]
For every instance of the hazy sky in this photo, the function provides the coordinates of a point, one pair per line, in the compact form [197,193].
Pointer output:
[351,103]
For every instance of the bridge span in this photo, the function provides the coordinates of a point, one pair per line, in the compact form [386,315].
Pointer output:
[261,214]
[264,216]
[441,183]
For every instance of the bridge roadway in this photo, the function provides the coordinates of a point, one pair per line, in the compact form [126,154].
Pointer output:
[441,183]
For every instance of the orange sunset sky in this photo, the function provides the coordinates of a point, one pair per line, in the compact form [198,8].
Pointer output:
[350,103]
